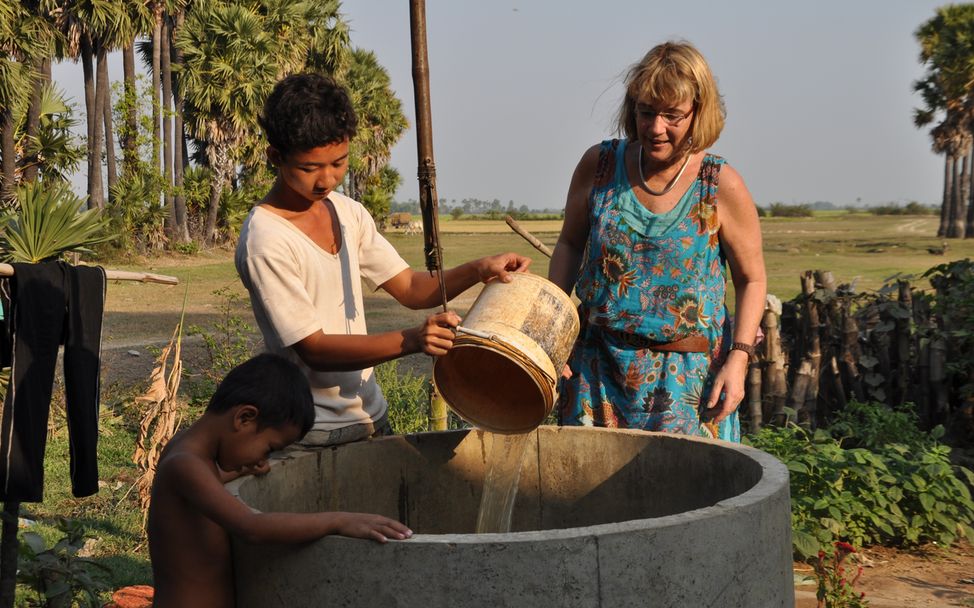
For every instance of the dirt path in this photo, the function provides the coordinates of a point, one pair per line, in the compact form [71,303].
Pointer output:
[916,226]
[895,579]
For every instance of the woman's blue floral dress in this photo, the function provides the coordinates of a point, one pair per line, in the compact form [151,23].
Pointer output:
[648,278]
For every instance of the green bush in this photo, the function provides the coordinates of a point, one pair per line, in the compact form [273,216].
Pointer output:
[229,342]
[783,210]
[408,396]
[873,479]
[912,208]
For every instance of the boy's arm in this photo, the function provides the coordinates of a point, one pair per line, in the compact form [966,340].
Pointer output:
[420,289]
[199,485]
[336,352]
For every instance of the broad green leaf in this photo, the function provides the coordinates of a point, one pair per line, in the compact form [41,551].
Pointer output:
[804,543]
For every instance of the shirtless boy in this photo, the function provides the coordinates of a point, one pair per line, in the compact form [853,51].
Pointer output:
[261,406]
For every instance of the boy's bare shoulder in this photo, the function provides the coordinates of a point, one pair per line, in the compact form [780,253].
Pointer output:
[179,462]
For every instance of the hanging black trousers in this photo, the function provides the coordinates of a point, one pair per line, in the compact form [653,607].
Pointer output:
[52,303]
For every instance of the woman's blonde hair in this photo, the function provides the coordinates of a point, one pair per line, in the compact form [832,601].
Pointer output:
[671,73]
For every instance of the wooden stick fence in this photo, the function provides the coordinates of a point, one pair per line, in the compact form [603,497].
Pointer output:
[832,344]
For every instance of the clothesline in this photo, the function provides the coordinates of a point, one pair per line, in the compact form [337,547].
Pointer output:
[6,270]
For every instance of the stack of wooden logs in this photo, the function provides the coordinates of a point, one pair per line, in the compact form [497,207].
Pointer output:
[832,344]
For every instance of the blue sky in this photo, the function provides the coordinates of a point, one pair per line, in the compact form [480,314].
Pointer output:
[818,95]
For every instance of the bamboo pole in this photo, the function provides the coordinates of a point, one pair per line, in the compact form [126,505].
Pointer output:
[6,270]
[938,377]
[438,411]
[926,328]
[426,172]
[903,375]
[809,408]
[851,353]
[516,227]
[774,384]
[754,394]
[830,376]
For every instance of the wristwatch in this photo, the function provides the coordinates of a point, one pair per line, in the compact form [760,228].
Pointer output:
[748,348]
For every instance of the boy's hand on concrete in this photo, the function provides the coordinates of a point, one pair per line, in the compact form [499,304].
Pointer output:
[368,525]
[261,468]
[435,336]
[500,266]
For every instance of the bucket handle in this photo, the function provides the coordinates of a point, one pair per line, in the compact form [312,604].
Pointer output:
[475,332]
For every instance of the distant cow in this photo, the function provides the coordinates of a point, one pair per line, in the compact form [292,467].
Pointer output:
[414,228]
[400,219]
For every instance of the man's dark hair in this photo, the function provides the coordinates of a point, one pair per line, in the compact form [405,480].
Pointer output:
[272,384]
[306,111]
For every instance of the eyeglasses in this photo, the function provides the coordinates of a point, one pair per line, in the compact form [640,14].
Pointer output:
[670,118]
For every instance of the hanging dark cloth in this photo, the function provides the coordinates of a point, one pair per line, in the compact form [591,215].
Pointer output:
[51,303]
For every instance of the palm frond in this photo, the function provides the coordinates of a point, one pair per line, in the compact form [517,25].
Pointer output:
[48,222]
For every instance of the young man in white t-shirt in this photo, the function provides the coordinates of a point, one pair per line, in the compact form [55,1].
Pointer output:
[304,249]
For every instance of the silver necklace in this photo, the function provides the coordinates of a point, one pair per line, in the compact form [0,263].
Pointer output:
[671,183]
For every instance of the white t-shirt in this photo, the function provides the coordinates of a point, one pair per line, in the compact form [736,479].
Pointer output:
[297,288]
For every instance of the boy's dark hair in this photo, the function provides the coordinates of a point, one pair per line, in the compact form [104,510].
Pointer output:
[272,384]
[306,111]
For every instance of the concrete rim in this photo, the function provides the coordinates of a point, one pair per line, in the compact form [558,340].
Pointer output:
[774,475]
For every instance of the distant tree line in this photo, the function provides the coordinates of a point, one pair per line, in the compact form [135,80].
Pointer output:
[478,208]
[808,210]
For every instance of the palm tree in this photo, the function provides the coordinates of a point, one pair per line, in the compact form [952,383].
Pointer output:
[947,51]
[227,72]
[233,53]
[51,150]
[25,38]
[180,232]
[381,122]
[326,38]
[90,26]
[138,21]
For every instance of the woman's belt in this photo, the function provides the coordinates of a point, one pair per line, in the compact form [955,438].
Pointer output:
[690,344]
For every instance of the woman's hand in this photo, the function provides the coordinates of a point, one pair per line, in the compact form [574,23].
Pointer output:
[729,382]
[435,336]
[499,266]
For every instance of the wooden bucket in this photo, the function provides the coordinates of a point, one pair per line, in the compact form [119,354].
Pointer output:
[501,375]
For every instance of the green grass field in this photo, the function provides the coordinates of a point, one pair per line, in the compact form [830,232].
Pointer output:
[854,246]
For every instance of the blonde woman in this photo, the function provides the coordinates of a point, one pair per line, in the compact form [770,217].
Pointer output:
[651,222]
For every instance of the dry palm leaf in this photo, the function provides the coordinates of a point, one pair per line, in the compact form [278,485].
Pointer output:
[163,414]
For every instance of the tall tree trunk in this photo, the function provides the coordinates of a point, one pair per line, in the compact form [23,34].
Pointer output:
[179,171]
[969,226]
[156,81]
[104,97]
[130,142]
[167,140]
[33,125]
[96,197]
[963,194]
[952,221]
[179,145]
[7,149]
[945,206]
[222,167]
